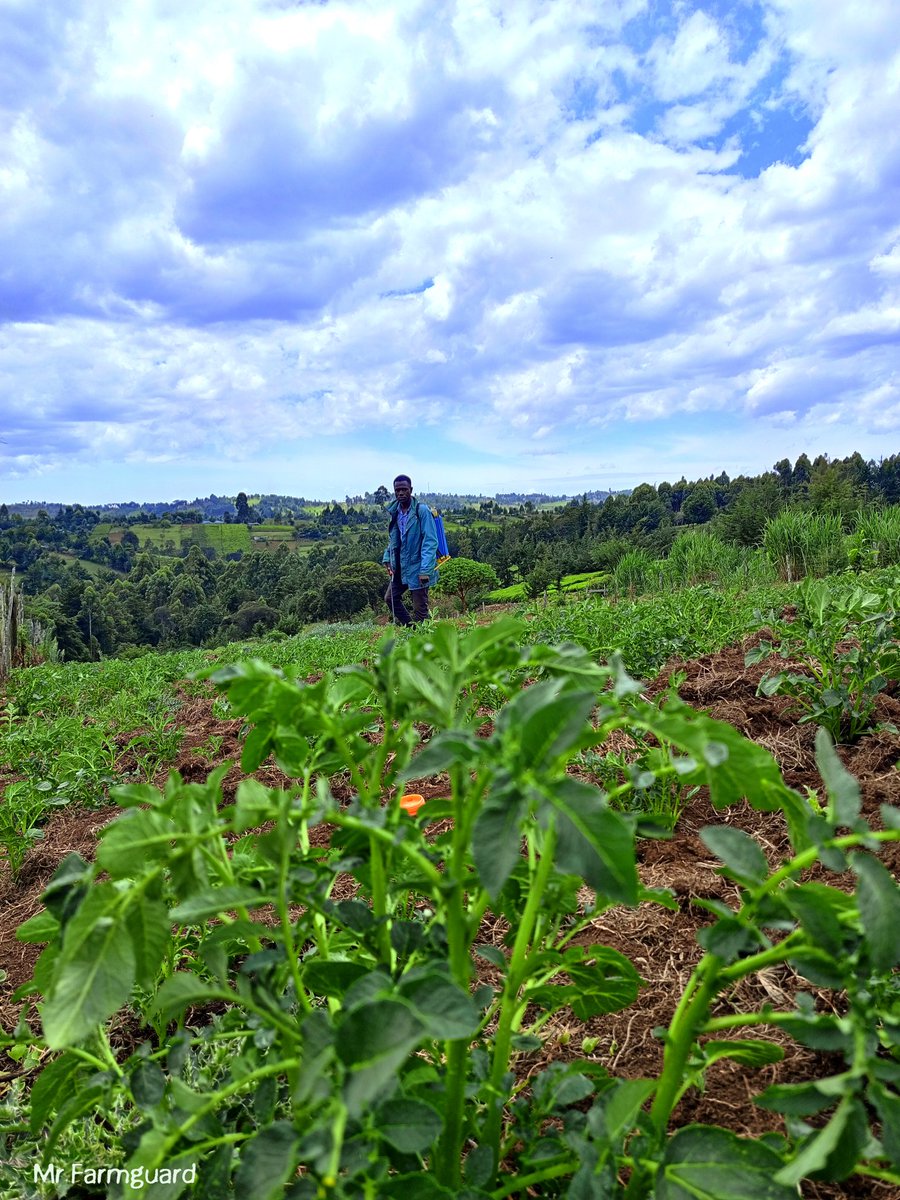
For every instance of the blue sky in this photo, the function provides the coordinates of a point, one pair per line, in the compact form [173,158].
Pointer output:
[532,245]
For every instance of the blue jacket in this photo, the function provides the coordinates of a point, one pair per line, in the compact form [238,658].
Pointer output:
[418,550]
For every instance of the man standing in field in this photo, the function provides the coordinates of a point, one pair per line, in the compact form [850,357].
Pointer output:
[411,554]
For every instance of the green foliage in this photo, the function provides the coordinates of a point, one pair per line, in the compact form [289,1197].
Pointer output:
[66,759]
[744,521]
[800,542]
[506,595]
[698,556]
[354,587]
[290,1028]
[291,554]
[646,780]
[463,578]
[635,573]
[875,541]
[843,639]
[700,504]
[650,631]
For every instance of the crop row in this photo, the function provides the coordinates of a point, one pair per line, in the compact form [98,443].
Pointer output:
[298,1045]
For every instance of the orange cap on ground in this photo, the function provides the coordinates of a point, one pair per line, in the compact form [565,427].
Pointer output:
[412,803]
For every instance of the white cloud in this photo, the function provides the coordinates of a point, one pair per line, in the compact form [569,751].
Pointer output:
[233,226]
[695,59]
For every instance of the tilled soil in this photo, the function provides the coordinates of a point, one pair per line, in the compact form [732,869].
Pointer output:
[661,943]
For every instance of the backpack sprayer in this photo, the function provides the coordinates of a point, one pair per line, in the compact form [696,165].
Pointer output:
[443,554]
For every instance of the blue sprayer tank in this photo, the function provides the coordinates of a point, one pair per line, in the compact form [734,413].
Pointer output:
[443,549]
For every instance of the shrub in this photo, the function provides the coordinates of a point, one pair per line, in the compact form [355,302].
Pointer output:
[464,578]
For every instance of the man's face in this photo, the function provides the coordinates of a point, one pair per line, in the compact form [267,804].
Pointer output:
[403,492]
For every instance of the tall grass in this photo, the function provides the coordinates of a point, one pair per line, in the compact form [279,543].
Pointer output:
[800,543]
[698,556]
[636,572]
[875,540]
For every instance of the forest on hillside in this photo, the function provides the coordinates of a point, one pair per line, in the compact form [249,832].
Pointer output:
[95,588]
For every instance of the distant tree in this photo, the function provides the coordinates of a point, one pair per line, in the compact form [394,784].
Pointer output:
[859,472]
[188,591]
[200,623]
[251,614]
[886,479]
[606,554]
[144,566]
[382,495]
[540,576]
[801,476]
[744,522]
[700,506]
[783,470]
[242,509]
[678,493]
[831,490]
[198,565]
[352,588]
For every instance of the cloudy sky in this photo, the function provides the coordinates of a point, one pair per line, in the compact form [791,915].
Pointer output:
[288,246]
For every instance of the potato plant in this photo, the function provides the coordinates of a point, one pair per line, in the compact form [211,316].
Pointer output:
[298,1045]
[844,637]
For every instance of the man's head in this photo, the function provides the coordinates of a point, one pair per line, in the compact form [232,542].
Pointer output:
[403,489]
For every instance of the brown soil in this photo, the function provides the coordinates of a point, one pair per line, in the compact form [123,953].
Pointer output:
[661,943]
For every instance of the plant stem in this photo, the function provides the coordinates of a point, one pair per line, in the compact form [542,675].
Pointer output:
[448,1155]
[554,1170]
[680,1038]
[109,1057]
[509,1005]
[765,958]
[284,916]
[216,1098]
[449,1150]
[334,1162]
[383,835]
[379,902]
[746,1020]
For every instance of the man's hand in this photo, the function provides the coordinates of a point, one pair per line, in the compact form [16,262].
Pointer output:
[423,580]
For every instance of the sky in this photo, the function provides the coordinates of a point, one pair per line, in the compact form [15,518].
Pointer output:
[300,246]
